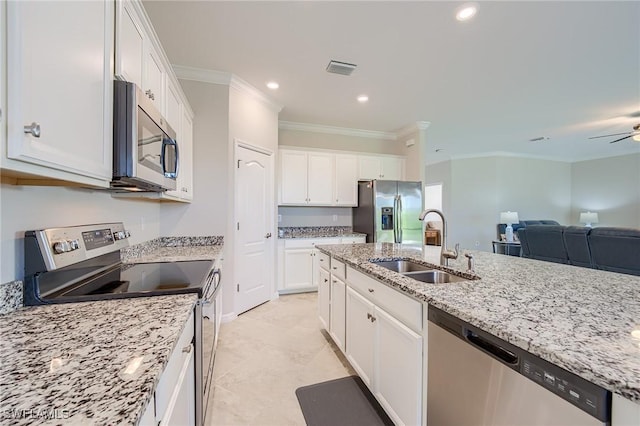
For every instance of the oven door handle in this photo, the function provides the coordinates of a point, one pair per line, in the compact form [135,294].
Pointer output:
[214,279]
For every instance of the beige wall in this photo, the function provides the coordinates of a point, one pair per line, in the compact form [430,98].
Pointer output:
[414,155]
[339,142]
[610,187]
[32,207]
[476,190]
[207,214]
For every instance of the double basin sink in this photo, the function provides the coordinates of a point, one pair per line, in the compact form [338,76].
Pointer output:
[419,272]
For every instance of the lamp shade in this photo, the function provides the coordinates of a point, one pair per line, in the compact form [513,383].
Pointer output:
[509,218]
[588,218]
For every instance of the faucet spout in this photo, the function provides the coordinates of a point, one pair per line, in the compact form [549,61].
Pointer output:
[445,254]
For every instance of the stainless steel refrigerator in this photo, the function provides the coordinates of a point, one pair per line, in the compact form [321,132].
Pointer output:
[388,211]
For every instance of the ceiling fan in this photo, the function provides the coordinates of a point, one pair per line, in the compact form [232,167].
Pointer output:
[635,134]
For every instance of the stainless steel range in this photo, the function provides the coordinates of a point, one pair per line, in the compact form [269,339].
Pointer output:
[82,263]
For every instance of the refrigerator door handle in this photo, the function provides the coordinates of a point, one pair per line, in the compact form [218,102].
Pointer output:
[399,219]
[395,219]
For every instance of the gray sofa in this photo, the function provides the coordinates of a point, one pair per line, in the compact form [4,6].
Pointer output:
[609,249]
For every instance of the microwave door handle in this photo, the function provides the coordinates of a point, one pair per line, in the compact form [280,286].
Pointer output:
[166,142]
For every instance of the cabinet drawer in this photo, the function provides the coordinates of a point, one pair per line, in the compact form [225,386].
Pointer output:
[171,373]
[403,308]
[338,269]
[309,242]
[324,260]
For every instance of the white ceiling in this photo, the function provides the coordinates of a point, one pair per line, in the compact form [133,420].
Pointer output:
[518,70]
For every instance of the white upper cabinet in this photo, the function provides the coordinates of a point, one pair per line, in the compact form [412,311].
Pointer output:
[185,176]
[346,188]
[129,44]
[174,108]
[154,77]
[380,167]
[314,178]
[60,106]
[293,177]
[320,174]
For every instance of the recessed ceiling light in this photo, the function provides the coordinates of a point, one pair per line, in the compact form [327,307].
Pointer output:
[466,11]
[363,98]
[272,85]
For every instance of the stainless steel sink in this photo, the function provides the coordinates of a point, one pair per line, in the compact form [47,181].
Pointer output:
[403,266]
[435,277]
[420,272]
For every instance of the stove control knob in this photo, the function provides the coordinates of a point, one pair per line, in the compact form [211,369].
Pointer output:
[75,245]
[120,235]
[127,234]
[62,247]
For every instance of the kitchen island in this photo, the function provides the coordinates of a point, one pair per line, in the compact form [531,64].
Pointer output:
[577,318]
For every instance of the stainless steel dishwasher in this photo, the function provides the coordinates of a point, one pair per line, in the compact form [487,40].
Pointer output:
[475,378]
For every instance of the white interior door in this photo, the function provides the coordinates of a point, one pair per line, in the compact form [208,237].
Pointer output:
[254,248]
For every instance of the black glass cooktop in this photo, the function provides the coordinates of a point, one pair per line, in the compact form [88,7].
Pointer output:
[142,279]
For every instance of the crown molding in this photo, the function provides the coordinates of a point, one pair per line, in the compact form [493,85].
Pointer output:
[511,154]
[227,79]
[320,128]
[413,127]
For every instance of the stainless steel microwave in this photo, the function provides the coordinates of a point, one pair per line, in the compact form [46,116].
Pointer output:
[145,151]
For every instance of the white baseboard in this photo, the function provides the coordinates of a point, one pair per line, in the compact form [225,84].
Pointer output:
[299,290]
[229,317]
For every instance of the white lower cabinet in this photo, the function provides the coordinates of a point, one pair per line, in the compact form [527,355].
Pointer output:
[385,349]
[337,312]
[324,298]
[175,394]
[298,262]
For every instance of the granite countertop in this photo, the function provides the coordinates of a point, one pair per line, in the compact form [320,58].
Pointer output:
[318,232]
[578,318]
[68,363]
[177,254]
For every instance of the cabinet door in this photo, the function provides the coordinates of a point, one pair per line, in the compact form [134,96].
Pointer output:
[153,82]
[398,369]
[174,109]
[293,177]
[360,335]
[324,298]
[186,158]
[346,182]
[64,95]
[369,168]
[129,44]
[337,328]
[391,168]
[181,409]
[298,268]
[320,178]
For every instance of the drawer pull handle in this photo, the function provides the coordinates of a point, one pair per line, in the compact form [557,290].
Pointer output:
[370,290]
[187,349]
[335,281]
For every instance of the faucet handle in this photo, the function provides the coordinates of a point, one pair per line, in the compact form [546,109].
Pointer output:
[452,254]
[470,263]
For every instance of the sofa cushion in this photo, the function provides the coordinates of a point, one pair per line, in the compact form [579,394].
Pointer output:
[577,244]
[524,242]
[546,242]
[616,249]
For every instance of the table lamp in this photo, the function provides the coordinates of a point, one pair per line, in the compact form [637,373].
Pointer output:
[509,218]
[588,218]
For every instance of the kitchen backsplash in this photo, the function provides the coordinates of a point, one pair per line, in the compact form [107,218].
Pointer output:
[148,247]
[313,231]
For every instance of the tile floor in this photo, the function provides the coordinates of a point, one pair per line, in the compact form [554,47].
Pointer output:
[264,356]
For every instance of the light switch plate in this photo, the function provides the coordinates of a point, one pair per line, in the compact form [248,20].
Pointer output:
[279,218]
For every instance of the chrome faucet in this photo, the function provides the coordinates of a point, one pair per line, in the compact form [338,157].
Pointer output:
[445,254]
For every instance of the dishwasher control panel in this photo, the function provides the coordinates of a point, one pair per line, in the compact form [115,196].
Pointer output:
[581,393]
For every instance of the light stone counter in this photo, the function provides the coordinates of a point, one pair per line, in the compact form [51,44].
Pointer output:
[66,363]
[577,318]
[318,232]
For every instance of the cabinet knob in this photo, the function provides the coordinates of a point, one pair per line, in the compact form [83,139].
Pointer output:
[33,129]
[368,315]
[268,235]
[187,349]
[370,290]
[326,280]
[373,318]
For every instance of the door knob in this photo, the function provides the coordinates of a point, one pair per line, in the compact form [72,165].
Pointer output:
[34,129]
[268,235]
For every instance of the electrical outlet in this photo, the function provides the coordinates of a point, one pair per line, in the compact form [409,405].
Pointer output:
[279,218]
[335,217]
[142,223]
[477,243]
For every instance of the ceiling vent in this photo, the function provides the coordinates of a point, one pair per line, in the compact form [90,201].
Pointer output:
[343,68]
